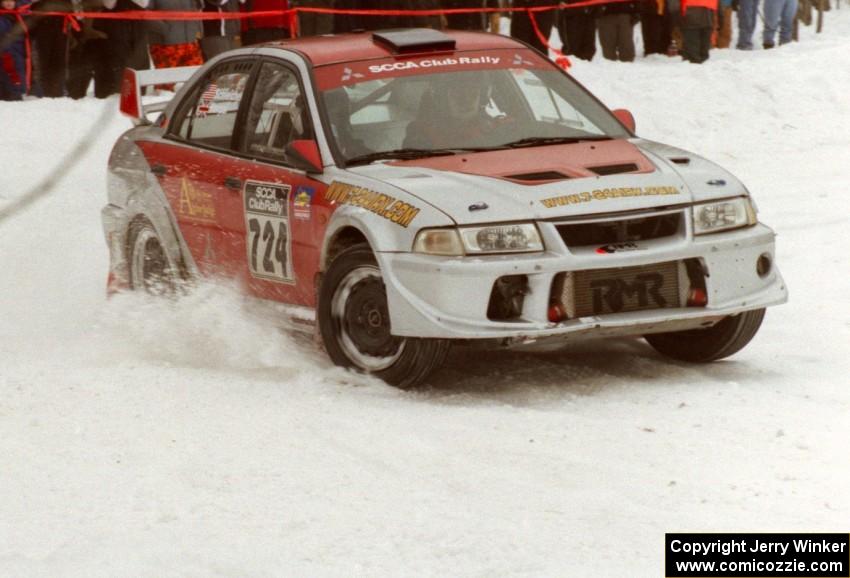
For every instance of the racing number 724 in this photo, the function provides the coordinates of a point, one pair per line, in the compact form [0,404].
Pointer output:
[274,246]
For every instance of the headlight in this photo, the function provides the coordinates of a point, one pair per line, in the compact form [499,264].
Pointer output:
[723,216]
[438,242]
[515,238]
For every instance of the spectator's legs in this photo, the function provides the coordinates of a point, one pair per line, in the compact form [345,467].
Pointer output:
[80,67]
[578,33]
[522,29]
[690,44]
[14,87]
[607,26]
[772,14]
[102,65]
[724,27]
[747,11]
[625,38]
[52,45]
[705,43]
[562,21]
[8,89]
[584,28]
[652,27]
[786,22]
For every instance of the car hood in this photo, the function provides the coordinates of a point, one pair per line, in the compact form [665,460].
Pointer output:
[587,178]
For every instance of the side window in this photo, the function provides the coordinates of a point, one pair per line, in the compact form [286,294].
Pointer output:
[210,116]
[277,115]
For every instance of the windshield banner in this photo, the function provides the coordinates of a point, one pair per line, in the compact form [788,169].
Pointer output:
[336,75]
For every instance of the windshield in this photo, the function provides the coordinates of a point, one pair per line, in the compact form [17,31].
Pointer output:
[460,109]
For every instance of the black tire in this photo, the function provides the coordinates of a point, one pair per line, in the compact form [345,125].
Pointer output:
[355,326]
[148,265]
[725,338]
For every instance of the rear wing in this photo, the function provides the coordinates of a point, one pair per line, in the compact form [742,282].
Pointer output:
[134,82]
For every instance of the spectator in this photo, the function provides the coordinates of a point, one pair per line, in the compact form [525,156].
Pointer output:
[220,35]
[476,22]
[88,58]
[747,11]
[577,28]
[312,24]
[265,28]
[778,14]
[522,28]
[697,25]
[51,45]
[348,23]
[615,23]
[126,41]
[655,27]
[175,42]
[13,57]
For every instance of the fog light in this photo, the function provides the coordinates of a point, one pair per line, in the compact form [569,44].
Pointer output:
[697,298]
[764,265]
[557,313]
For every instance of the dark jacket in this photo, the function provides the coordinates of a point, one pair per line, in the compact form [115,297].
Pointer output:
[175,31]
[221,27]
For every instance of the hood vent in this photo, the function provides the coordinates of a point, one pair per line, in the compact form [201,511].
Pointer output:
[605,170]
[539,177]
[681,160]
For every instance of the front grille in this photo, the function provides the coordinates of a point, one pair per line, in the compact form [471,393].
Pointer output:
[618,290]
[622,231]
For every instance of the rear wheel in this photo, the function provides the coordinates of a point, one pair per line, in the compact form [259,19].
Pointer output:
[354,322]
[150,269]
[725,338]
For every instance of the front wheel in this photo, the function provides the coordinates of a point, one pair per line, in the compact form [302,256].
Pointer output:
[725,338]
[354,322]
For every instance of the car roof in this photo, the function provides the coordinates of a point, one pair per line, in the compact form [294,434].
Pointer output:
[351,47]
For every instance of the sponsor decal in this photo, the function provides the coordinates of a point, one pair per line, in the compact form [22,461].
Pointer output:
[614,295]
[434,63]
[269,240]
[195,204]
[384,206]
[618,248]
[605,194]
[302,203]
[348,74]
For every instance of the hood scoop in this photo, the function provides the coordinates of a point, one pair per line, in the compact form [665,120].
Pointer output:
[538,177]
[605,170]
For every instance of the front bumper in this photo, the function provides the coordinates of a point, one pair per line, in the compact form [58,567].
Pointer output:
[448,298]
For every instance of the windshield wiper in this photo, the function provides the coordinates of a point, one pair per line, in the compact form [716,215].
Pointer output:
[553,140]
[402,154]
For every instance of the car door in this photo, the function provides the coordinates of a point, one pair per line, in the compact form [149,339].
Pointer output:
[195,164]
[280,229]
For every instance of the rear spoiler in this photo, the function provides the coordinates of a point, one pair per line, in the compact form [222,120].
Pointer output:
[135,80]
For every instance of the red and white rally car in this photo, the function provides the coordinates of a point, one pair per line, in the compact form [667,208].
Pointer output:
[413,189]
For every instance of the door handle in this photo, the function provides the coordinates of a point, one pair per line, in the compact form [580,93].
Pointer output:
[159,170]
[233,183]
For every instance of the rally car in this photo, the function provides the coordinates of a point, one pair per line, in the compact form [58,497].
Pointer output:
[412,189]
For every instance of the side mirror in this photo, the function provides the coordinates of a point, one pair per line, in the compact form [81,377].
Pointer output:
[305,154]
[625,117]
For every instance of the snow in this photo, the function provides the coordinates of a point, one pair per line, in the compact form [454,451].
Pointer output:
[142,437]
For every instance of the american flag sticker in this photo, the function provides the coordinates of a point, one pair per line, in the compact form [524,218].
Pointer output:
[206,98]
[210,92]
